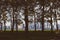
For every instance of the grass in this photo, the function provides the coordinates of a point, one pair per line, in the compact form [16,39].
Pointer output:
[31,31]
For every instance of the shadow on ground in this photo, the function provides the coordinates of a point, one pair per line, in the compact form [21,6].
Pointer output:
[29,36]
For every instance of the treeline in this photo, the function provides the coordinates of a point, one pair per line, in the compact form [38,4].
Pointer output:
[27,11]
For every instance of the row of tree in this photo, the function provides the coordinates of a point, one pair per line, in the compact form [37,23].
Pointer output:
[39,10]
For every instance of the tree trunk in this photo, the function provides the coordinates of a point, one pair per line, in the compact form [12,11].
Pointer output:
[26,19]
[16,24]
[56,21]
[0,20]
[42,23]
[51,24]
[1,26]
[34,22]
[35,26]
[12,28]
[43,19]
[4,25]
[56,24]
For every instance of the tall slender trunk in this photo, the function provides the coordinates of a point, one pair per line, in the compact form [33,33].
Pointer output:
[51,16]
[51,24]
[1,26]
[43,19]
[56,24]
[16,24]
[0,20]
[12,28]
[26,19]
[35,26]
[4,19]
[34,22]
[56,21]
[4,25]
[42,23]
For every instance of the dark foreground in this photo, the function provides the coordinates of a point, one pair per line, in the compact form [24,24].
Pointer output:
[29,36]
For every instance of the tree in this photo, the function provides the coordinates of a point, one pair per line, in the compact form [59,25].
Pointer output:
[4,18]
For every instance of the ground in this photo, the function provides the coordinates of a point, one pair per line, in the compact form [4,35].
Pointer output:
[29,36]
